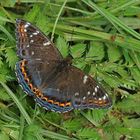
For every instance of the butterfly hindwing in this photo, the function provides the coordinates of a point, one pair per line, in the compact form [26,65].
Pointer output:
[80,90]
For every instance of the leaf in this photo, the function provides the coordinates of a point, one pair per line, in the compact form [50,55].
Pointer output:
[72,125]
[111,80]
[129,84]
[110,129]
[41,22]
[114,53]
[31,132]
[32,129]
[4,73]
[7,3]
[131,11]
[131,128]
[4,136]
[79,63]
[99,115]
[4,95]
[1,63]
[33,13]
[130,104]
[11,57]
[90,133]
[55,118]
[136,58]
[127,57]
[29,137]
[136,74]
[62,46]
[3,18]
[113,68]
[96,116]
[77,50]
[6,32]
[132,123]
[96,51]
[14,134]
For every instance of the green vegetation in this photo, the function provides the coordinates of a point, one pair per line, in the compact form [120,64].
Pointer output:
[103,38]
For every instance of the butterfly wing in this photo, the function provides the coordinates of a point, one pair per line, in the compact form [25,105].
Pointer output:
[41,74]
[32,44]
[38,55]
[70,89]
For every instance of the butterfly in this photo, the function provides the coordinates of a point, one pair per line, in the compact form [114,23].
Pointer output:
[50,79]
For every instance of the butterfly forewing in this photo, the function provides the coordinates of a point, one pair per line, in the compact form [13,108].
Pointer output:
[36,52]
[50,79]
[32,43]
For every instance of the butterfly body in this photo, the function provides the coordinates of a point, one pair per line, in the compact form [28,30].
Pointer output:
[52,80]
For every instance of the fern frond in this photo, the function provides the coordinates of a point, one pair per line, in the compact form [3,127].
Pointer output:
[11,57]
[72,125]
[88,133]
[96,116]
[3,95]
[130,104]
[62,46]
[96,51]
[1,63]
[77,50]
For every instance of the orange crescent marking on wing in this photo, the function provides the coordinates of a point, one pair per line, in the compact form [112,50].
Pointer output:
[68,104]
[22,66]
[23,63]
[23,69]
[56,103]
[40,94]
[100,103]
[50,101]
[35,90]
[22,32]
[22,28]
[31,86]
[27,80]
[96,102]
[45,98]
[25,75]
[90,101]
[62,104]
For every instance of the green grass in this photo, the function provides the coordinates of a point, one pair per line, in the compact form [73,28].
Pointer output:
[106,33]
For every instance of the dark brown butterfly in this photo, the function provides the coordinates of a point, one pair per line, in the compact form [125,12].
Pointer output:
[52,80]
